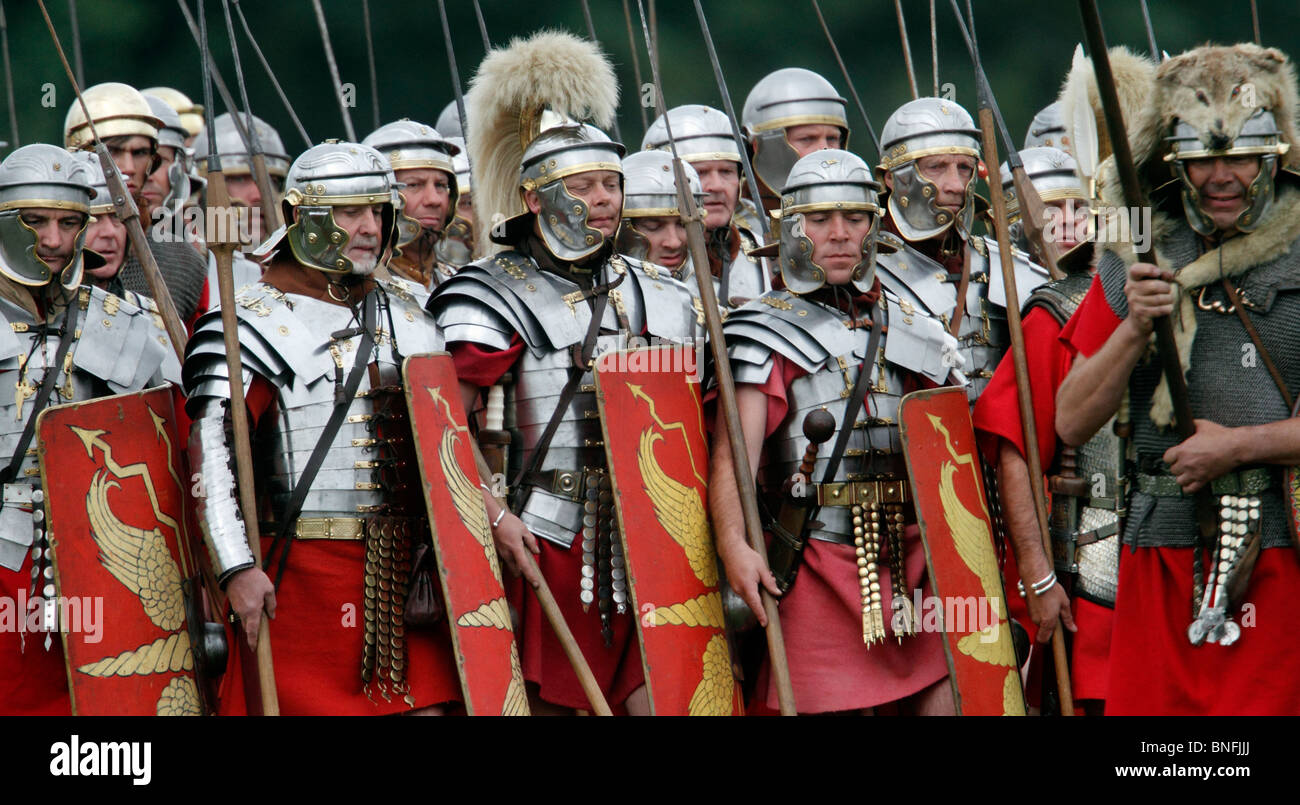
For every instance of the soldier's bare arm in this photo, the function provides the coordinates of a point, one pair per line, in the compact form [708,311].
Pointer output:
[745,568]
[1027,543]
[1215,450]
[1091,393]
[512,537]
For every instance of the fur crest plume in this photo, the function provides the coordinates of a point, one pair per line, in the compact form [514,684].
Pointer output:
[1134,83]
[549,69]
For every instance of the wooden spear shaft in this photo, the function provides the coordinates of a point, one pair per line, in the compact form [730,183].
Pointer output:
[551,609]
[1028,424]
[126,211]
[218,197]
[693,218]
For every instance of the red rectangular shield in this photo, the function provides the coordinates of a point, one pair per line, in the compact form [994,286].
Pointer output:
[486,654]
[651,415]
[944,468]
[116,514]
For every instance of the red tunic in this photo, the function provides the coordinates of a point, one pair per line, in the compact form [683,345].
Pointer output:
[617,669]
[1154,668]
[317,634]
[997,414]
[33,681]
[831,669]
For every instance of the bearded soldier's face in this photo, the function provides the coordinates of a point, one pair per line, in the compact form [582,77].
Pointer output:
[364,225]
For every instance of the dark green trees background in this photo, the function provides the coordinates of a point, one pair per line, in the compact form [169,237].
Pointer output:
[1026,50]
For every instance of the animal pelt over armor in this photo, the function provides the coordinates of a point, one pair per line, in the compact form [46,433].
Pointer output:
[550,70]
[1204,87]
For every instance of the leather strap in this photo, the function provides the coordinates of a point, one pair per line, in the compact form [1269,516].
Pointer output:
[860,388]
[369,318]
[959,312]
[1235,299]
[601,294]
[43,394]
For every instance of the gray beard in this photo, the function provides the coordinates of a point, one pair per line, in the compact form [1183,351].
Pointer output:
[364,268]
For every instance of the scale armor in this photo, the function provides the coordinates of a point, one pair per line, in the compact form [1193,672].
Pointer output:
[1096,519]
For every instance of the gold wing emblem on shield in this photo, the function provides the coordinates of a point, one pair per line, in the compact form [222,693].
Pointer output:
[141,561]
[973,540]
[713,696]
[680,510]
[464,492]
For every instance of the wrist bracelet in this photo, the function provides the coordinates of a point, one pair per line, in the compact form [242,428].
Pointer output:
[500,515]
[1045,584]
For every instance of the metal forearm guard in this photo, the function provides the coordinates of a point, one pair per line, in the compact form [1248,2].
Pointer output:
[218,498]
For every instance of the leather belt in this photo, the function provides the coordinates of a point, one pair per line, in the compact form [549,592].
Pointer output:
[566,484]
[1244,482]
[863,493]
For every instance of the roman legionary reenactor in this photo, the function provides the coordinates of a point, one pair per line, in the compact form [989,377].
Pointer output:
[456,246]
[1087,494]
[191,113]
[1202,620]
[801,350]
[237,165]
[540,310]
[704,140]
[45,194]
[422,160]
[130,129]
[651,229]
[929,164]
[787,115]
[168,188]
[1048,129]
[319,338]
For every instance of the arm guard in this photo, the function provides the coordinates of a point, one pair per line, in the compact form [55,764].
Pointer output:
[218,499]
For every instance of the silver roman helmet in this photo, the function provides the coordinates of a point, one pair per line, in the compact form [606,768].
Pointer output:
[456,246]
[172,134]
[235,159]
[920,128]
[407,145]
[40,176]
[1048,128]
[649,191]
[562,150]
[333,174]
[101,201]
[1259,136]
[191,113]
[825,181]
[791,96]
[448,121]
[702,134]
[1053,173]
